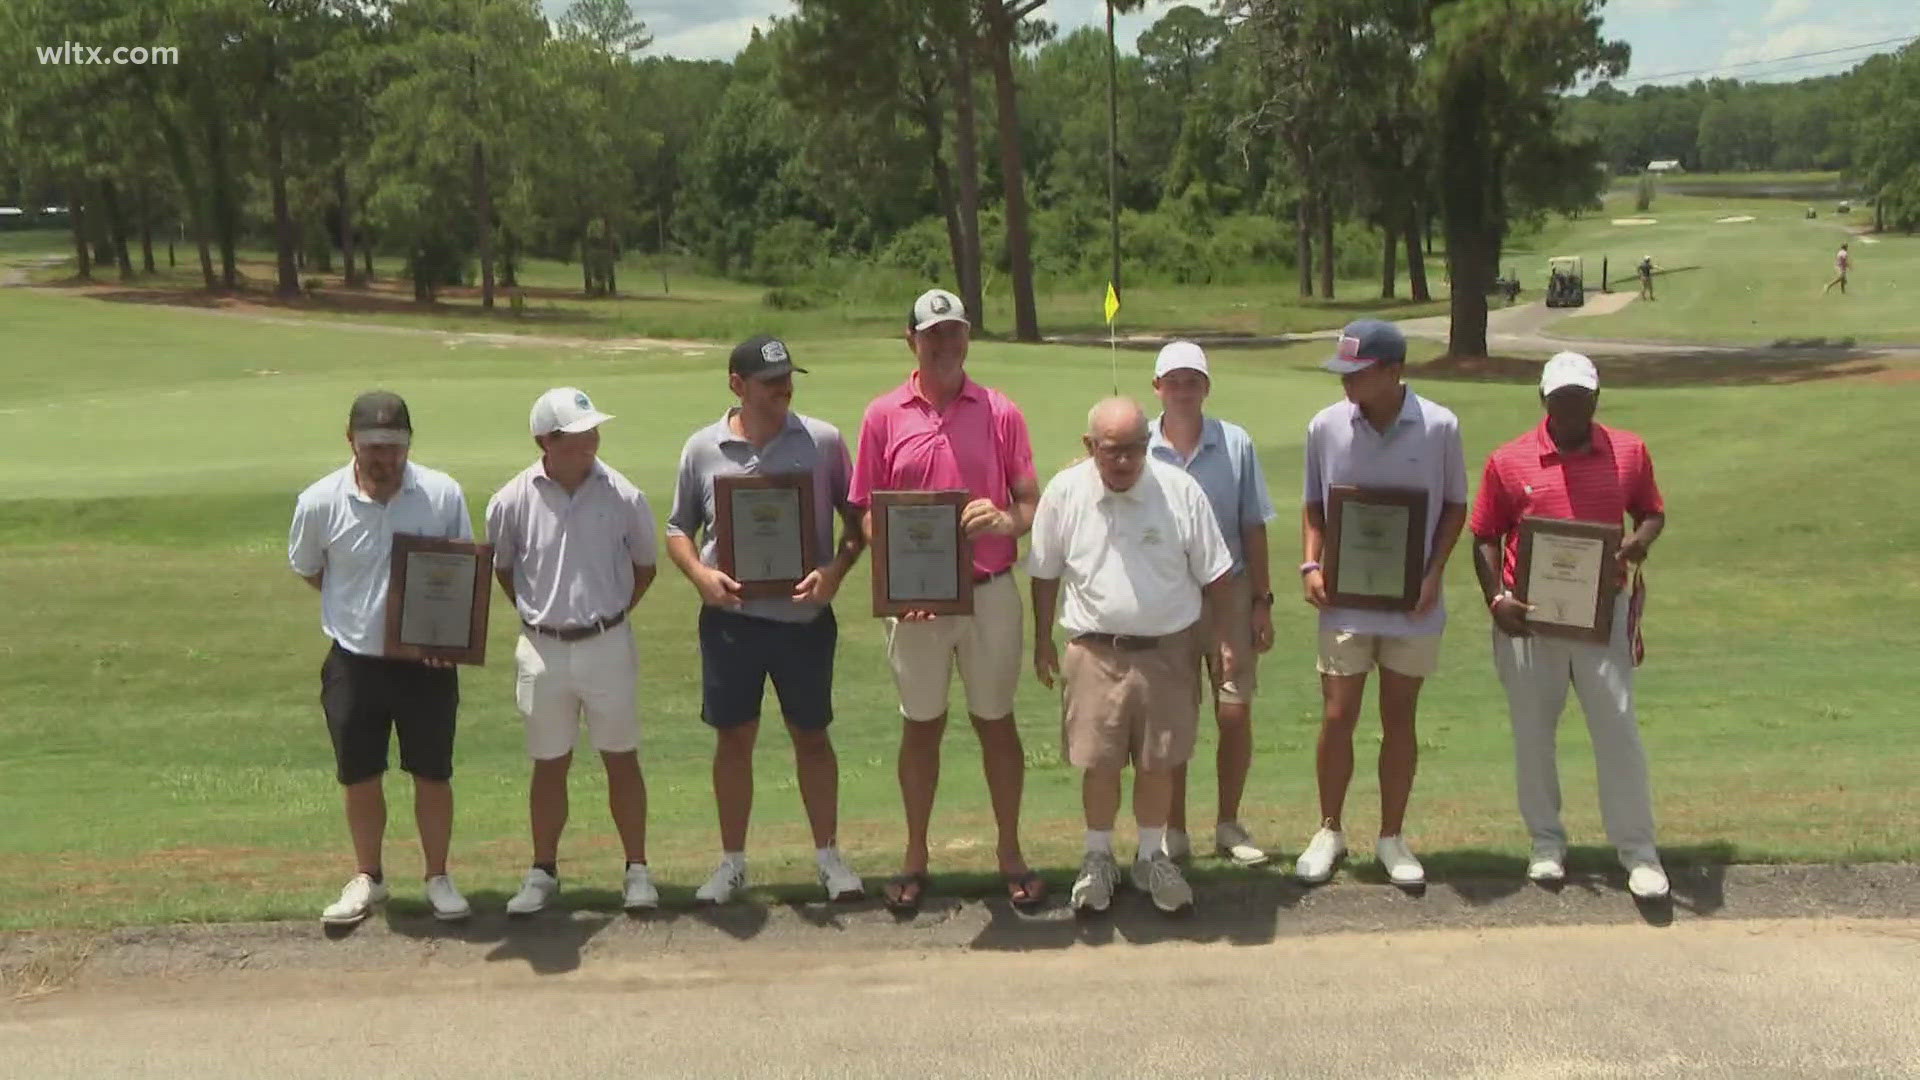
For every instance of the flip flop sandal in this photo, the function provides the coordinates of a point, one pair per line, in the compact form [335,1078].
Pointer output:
[1027,890]
[905,892]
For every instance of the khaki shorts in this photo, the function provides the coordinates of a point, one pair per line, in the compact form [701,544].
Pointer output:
[559,682]
[1240,614]
[1343,652]
[987,644]
[1138,705]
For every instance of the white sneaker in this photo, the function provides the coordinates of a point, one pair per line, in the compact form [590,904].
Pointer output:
[536,892]
[1324,851]
[724,886]
[448,904]
[356,902]
[1178,845]
[1163,882]
[841,883]
[1646,881]
[638,894]
[1093,889]
[1547,866]
[1402,868]
[1231,840]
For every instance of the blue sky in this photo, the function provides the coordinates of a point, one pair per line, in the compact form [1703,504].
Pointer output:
[1667,36]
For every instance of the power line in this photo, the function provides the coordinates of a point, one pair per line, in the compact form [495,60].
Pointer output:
[1771,60]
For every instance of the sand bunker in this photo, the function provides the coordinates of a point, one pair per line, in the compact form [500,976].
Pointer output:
[1734,220]
[1603,304]
[1635,221]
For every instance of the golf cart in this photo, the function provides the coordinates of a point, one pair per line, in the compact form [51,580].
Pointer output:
[1566,281]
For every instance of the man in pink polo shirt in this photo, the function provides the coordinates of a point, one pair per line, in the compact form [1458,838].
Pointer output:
[1572,468]
[941,430]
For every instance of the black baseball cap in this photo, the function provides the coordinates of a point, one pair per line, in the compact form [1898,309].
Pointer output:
[762,357]
[377,409]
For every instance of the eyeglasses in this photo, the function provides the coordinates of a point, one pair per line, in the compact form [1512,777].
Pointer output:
[1121,450]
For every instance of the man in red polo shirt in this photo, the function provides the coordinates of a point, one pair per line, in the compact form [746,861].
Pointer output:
[1572,468]
[941,430]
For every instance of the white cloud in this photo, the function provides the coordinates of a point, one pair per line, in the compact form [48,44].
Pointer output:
[1793,40]
[720,39]
[1787,11]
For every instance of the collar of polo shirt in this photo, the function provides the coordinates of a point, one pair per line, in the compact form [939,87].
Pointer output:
[726,425]
[1409,409]
[1597,441]
[409,481]
[967,387]
[599,470]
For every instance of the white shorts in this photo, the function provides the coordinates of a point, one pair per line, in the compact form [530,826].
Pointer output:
[559,681]
[987,643]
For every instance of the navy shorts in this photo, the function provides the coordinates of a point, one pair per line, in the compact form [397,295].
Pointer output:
[739,653]
[368,699]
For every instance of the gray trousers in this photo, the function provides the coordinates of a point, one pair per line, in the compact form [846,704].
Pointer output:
[1536,672]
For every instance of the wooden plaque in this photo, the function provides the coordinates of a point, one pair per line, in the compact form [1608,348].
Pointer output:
[922,561]
[437,599]
[763,528]
[1376,549]
[1569,571]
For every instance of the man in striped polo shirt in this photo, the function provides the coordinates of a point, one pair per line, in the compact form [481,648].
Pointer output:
[1570,467]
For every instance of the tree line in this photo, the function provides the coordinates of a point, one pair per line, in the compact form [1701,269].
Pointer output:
[954,140]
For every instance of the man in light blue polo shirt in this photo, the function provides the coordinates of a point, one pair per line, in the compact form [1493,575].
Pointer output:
[1383,435]
[1220,455]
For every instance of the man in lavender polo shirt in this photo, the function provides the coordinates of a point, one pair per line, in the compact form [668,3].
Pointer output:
[1383,435]
[941,430]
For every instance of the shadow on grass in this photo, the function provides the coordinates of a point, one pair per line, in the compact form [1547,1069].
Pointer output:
[1240,907]
[1696,873]
[1742,367]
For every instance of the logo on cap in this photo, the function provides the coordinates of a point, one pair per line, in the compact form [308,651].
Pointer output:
[1349,348]
[580,401]
[940,305]
[773,352]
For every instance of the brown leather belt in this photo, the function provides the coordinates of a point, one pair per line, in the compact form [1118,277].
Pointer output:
[1126,642]
[577,633]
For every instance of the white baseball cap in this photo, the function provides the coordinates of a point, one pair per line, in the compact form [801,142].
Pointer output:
[1181,354]
[938,306]
[1568,369]
[567,409]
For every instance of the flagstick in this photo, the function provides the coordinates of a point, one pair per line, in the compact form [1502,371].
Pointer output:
[1113,343]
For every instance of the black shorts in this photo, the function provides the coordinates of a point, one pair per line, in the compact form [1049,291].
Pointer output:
[366,698]
[738,653]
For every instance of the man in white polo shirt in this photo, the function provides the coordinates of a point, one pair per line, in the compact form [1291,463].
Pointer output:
[1382,435]
[341,542]
[1220,455]
[1136,543]
[574,551]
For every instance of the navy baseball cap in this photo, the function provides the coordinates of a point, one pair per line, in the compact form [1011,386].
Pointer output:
[1366,342]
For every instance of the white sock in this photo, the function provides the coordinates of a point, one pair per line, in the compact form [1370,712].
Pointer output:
[1100,841]
[1152,842]
[734,859]
[821,855]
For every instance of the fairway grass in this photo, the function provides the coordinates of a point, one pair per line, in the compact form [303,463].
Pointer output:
[1755,282]
[164,756]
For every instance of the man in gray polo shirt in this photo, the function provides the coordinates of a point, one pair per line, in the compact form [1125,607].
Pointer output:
[341,543]
[1383,435]
[574,551]
[789,640]
[1220,455]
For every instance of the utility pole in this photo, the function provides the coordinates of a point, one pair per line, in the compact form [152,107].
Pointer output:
[1113,142]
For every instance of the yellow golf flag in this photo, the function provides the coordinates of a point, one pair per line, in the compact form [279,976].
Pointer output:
[1113,302]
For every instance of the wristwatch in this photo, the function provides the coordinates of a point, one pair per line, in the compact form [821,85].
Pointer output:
[1264,598]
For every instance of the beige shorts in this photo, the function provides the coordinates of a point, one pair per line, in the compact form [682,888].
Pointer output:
[1343,652]
[1240,614]
[987,645]
[1138,705]
[557,682]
